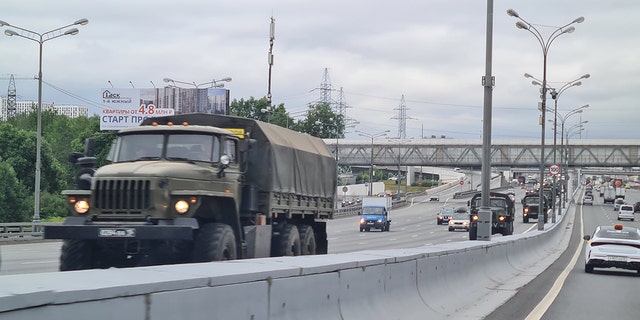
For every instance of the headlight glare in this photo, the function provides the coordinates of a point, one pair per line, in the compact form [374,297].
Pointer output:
[81,206]
[181,206]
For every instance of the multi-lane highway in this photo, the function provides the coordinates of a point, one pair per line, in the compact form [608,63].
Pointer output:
[563,291]
[413,225]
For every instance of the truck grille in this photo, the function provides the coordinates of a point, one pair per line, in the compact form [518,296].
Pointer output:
[122,196]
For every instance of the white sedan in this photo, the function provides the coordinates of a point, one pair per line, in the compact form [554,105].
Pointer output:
[626,212]
[613,247]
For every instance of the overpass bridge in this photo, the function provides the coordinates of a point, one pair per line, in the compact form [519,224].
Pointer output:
[605,153]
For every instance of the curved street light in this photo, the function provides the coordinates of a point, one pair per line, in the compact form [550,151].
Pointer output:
[372,136]
[563,119]
[213,83]
[40,38]
[555,95]
[545,44]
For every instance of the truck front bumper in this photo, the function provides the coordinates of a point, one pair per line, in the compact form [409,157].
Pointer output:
[81,229]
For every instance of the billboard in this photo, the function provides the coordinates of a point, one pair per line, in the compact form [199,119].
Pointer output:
[127,107]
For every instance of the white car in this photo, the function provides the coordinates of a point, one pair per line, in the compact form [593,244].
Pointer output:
[613,247]
[625,212]
[459,221]
[617,203]
[587,200]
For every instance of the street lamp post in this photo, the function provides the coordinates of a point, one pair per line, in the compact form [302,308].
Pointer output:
[372,136]
[214,83]
[575,129]
[564,150]
[40,38]
[545,44]
[555,95]
[563,119]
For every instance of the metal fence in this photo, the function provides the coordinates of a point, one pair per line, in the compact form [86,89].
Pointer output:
[21,231]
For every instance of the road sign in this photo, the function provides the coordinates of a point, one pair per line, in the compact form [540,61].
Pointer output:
[345,189]
[554,169]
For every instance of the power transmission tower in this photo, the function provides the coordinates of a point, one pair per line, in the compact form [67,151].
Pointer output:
[325,88]
[11,98]
[402,118]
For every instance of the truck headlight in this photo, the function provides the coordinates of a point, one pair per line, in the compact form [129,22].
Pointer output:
[501,218]
[474,217]
[81,206]
[362,221]
[181,206]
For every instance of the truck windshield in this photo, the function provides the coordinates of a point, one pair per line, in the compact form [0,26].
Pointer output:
[373,210]
[140,147]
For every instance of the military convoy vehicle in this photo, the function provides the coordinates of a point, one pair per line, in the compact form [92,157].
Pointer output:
[502,214]
[531,207]
[198,188]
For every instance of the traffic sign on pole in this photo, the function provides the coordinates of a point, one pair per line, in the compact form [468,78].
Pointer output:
[554,169]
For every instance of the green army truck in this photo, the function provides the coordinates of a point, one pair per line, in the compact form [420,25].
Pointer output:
[502,214]
[199,188]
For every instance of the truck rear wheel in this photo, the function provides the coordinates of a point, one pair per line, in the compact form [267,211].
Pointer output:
[77,255]
[307,240]
[214,242]
[289,244]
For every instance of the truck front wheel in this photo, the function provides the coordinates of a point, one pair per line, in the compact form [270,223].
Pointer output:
[77,255]
[473,233]
[214,242]
[307,240]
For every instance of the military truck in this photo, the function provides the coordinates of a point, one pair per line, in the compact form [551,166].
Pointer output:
[531,207]
[199,188]
[502,214]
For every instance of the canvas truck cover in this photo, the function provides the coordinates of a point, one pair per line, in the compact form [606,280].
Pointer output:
[282,160]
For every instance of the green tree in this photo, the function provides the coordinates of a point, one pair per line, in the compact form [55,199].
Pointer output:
[322,122]
[13,207]
[253,109]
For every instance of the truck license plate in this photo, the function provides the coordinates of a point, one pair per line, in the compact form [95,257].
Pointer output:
[117,233]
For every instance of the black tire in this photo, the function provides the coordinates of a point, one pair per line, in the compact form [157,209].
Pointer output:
[473,233]
[439,222]
[361,229]
[388,226]
[214,242]
[77,255]
[307,240]
[367,229]
[289,244]
[525,220]
[508,229]
[450,229]
[546,218]
[589,268]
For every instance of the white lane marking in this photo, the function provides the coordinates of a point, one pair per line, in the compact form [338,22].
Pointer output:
[551,296]
[40,262]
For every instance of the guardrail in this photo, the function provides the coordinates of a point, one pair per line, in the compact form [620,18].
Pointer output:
[21,231]
[29,231]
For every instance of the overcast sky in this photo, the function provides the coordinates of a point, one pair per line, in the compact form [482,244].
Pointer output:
[431,51]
